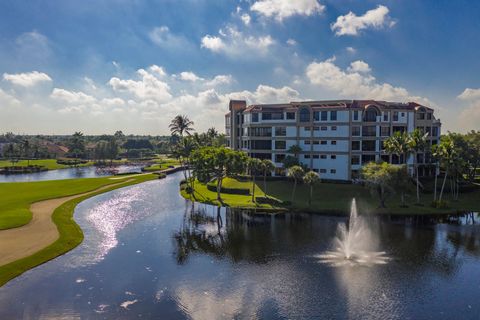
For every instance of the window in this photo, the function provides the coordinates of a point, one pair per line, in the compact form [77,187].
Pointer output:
[324,142]
[385,131]
[395,116]
[272,115]
[333,157]
[306,156]
[260,132]
[356,131]
[280,145]
[369,131]
[403,114]
[315,156]
[315,141]
[279,157]
[370,115]
[307,142]
[334,128]
[333,115]
[290,115]
[368,158]
[429,116]
[316,115]
[304,115]
[429,131]
[315,170]
[355,115]
[435,131]
[254,117]
[421,116]
[385,116]
[323,170]
[261,145]
[333,143]
[333,171]
[369,145]
[307,128]
[324,128]
[356,145]
[280,131]
[399,129]
[323,156]
[324,115]
[355,160]
[316,128]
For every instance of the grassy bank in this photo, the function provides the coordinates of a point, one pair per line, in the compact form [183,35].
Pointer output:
[50,164]
[16,198]
[330,198]
[70,233]
[162,164]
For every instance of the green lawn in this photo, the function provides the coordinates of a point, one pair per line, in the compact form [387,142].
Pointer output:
[330,198]
[161,164]
[50,164]
[70,233]
[16,198]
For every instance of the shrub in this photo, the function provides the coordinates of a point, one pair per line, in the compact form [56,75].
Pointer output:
[440,204]
[241,191]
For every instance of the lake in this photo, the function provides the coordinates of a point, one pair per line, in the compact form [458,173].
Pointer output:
[148,253]
[62,174]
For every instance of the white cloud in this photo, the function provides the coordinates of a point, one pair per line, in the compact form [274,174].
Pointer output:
[351,24]
[148,87]
[233,42]
[351,50]
[7,100]
[291,42]
[281,9]
[359,66]
[71,97]
[159,71]
[219,80]
[246,18]
[356,82]
[470,94]
[162,37]
[189,76]
[267,94]
[27,79]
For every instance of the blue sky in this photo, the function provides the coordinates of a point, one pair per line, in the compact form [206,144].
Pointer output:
[100,66]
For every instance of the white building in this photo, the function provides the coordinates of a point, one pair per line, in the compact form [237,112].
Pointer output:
[335,137]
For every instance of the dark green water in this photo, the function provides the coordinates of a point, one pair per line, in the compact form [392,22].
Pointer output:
[149,254]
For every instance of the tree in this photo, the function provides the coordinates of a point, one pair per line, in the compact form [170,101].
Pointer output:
[398,144]
[295,172]
[290,161]
[417,142]
[295,150]
[77,145]
[380,177]
[254,166]
[181,125]
[26,150]
[445,152]
[311,178]
[267,166]
[12,153]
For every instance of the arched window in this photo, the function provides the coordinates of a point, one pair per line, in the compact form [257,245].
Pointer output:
[304,115]
[370,115]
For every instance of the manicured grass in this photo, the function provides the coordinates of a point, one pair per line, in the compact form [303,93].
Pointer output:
[330,198]
[50,164]
[161,164]
[16,198]
[70,233]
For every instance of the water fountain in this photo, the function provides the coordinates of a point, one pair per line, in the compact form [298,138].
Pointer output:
[354,245]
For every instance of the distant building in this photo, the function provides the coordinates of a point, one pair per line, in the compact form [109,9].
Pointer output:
[336,137]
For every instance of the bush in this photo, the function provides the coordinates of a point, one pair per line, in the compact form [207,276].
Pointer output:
[188,189]
[241,191]
[266,200]
[71,162]
[439,204]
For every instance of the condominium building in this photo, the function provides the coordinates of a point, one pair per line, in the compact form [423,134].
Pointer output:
[335,137]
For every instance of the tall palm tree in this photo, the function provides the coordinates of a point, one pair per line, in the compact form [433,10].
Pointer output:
[295,150]
[311,178]
[26,150]
[181,125]
[296,172]
[398,144]
[254,166]
[267,166]
[417,143]
[446,153]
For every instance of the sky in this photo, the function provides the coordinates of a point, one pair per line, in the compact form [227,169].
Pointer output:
[99,66]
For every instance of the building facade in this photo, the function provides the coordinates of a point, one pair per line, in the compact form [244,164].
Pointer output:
[335,137]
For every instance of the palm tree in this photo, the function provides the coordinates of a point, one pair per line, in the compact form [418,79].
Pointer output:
[398,144]
[417,143]
[296,172]
[445,152]
[311,178]
[295,150]
[267,166]
[254,166]
[26,150]
[181,125]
